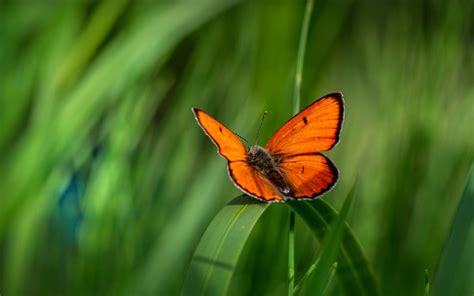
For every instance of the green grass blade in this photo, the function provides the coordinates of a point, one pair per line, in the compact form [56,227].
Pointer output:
[296,109]
[99,26]
[320,277]
[427,283]
[300,59]
[455,271]
[353,269]
[217,254]
[330,284]
[291,254]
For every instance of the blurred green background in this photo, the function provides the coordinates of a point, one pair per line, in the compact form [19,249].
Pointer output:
[107,183]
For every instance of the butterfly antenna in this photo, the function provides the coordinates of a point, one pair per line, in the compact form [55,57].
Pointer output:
[260,127]
[245,140]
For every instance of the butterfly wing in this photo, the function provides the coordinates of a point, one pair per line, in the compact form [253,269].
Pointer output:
[228,144]
[234,151]
[299,141]
[251,182]
[310,175]
[314,129]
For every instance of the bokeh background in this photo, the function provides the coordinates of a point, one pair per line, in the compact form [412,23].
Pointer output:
[107,183]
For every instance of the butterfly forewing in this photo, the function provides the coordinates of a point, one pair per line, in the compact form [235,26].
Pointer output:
[314,129]
[229,145]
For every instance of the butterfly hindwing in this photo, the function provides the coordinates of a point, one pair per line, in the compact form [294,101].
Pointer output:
[310,175]
[252,183]
[314,129]
[229,145]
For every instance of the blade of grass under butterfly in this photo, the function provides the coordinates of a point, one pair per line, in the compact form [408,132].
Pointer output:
[217,254]
[455,271]
[353,270]
[319,278]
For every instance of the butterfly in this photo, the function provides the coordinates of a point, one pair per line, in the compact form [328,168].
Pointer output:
[291,165]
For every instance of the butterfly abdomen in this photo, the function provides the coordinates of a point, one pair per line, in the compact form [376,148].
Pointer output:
[266,164]
[277,179]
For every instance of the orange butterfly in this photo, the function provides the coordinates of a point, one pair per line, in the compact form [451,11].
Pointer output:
[290,166]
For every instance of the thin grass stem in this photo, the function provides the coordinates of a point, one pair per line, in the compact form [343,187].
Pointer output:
[291,254]
[296,109]
[300,58]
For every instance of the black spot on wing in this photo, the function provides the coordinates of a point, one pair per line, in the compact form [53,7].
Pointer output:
[220,129]
[305,120]
[302,169]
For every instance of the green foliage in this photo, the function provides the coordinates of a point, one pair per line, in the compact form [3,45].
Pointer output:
[107,184]
[457,253]
[353,270]
[215,258]
[318,280]
[217,254]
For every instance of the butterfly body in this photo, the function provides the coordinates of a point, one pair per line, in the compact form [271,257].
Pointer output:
[290,165]
[267,165]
